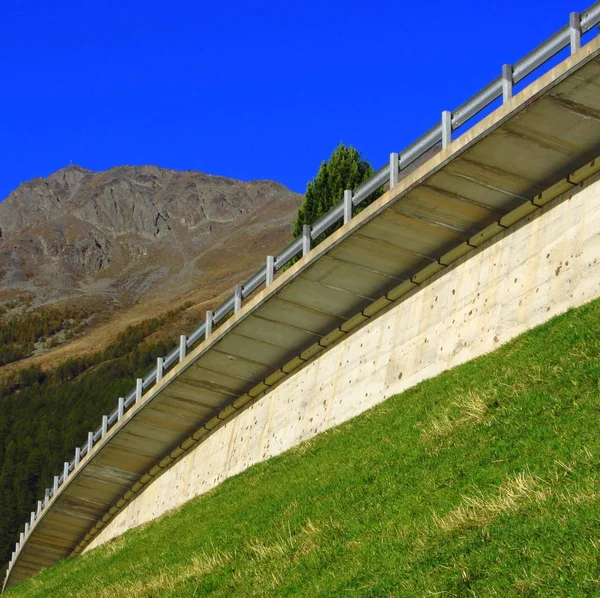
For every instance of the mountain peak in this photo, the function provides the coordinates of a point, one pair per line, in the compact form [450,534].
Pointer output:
[122,230]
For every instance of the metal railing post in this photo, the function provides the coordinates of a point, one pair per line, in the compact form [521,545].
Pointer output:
[347,205]
[31,518]
[65,471]
[104,426]
[393,169]
[237,300]
[120,408]
[46,496]
[138,389]
[55,486]
[270,270]
[39,507]
[507,82]
[182,347]
[209,324]
[77,456]
[305,239]
[160,364]
[90,442]
[446,128]
[575,31]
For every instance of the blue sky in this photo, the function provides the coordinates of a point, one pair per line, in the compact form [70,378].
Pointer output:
[251,90]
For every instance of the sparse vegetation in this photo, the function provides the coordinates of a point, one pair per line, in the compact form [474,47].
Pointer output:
[481,482]
[20,333]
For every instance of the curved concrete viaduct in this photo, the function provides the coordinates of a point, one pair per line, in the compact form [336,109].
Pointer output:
[519,162]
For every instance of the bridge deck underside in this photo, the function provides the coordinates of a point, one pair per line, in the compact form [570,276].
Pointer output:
[434,214]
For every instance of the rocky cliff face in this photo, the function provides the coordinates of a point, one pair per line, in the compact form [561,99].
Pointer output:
[133,231]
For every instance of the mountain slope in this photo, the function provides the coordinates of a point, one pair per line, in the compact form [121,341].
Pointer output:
[133,242]
[480,482]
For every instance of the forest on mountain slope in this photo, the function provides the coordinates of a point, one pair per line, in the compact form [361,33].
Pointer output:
[44,415]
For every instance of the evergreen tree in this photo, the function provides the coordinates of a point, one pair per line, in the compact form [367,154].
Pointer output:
[345,169]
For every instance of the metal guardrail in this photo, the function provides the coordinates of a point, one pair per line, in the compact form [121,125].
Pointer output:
[501,87]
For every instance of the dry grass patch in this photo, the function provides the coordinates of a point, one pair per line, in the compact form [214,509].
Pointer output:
[167,578]
[480,510]
[272,560]
[289,545]
[470,410]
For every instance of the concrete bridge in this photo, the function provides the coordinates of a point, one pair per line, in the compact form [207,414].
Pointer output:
[457,193]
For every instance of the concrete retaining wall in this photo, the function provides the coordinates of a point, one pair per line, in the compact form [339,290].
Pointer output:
[533,271]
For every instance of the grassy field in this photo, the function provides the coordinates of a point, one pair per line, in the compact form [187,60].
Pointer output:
[481,482]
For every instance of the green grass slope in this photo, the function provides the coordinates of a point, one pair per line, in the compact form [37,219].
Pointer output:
[481,482]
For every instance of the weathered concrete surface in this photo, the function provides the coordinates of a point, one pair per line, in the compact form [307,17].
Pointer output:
[546,264]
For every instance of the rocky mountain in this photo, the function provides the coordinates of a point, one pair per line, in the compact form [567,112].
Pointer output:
[124,230]
[134,236]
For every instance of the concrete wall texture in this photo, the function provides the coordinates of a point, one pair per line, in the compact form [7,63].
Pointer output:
[537,269]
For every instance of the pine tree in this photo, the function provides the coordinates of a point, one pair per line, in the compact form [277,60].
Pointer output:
[345,169]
